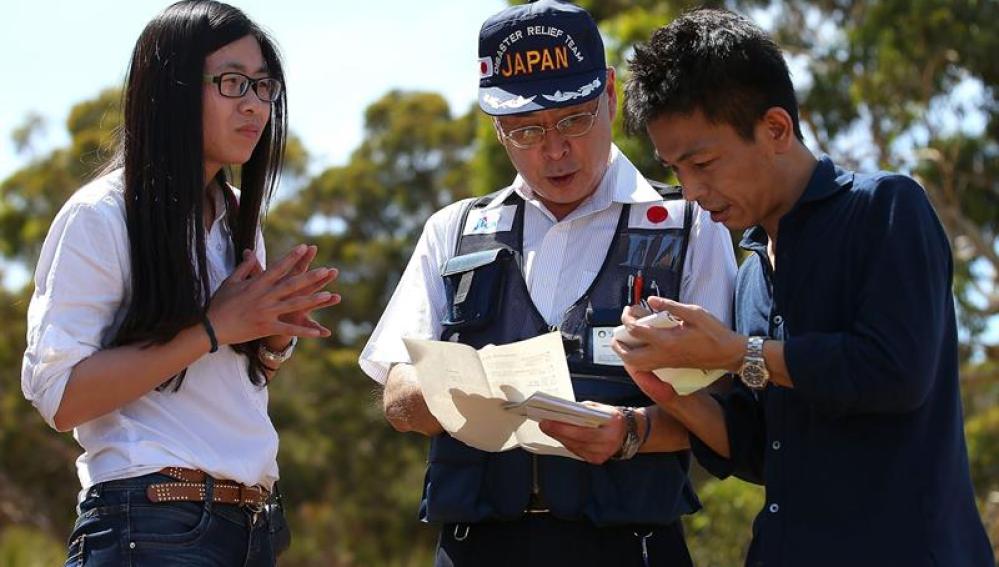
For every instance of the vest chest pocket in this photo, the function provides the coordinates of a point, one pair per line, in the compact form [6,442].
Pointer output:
[474,286]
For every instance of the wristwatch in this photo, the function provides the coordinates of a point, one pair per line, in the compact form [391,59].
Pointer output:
[754,371]
[277,357]
[632,443]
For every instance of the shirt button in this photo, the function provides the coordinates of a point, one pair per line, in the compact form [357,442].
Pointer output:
[775,445]
[778,320]
[773,508]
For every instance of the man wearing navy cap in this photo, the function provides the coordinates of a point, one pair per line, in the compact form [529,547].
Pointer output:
[577,236]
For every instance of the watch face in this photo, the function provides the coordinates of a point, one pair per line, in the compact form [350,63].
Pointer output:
[754,374]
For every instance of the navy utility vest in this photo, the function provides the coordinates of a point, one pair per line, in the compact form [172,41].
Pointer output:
[489,303]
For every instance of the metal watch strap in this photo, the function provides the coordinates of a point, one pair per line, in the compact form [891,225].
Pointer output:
[632,442]
[754,373]
[278,357]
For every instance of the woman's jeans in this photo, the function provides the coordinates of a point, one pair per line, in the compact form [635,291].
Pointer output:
[118,526]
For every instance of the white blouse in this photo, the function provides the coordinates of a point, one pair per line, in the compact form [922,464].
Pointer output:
[216,422]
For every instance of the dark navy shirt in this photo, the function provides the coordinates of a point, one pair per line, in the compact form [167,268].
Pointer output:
[864,460]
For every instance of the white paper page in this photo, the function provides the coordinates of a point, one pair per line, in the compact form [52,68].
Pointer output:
[518,370]
[688,380]
[457,394]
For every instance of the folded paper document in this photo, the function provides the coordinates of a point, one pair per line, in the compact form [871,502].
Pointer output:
[684,380]
[483,397]
[545,406]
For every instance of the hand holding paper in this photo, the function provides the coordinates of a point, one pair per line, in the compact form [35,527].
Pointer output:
[485,398]
[644,352]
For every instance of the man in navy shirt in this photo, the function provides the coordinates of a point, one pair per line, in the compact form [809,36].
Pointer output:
[848,408]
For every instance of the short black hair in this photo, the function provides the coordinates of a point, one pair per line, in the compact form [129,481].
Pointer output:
[714,61]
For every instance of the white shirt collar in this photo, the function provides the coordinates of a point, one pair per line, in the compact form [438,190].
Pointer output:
[221,206]
[621,183]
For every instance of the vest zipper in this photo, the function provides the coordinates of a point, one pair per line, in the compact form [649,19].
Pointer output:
[535,481]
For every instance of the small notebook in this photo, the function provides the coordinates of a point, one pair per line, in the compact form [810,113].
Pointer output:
[545,406]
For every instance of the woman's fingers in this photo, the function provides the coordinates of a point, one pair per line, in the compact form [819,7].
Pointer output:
[317,285]
[303,264]
[246,267]
[297,285]
[284,266]
[304,331]
[310,322]
[274,301]
[333,300]
[314,287]
[305,303]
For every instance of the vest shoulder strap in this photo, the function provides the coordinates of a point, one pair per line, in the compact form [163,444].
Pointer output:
[666,191]
[479,203]
[672,193]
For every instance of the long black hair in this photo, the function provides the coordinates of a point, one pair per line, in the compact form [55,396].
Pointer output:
[162,152]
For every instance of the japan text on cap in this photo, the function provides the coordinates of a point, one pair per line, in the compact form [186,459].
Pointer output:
[537,56]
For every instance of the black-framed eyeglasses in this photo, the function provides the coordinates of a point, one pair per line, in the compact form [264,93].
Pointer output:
[235,85]
[572,126]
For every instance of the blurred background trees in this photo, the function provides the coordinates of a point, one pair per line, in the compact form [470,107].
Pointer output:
[889,84]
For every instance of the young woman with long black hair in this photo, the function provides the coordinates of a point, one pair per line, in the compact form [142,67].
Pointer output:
[154,328]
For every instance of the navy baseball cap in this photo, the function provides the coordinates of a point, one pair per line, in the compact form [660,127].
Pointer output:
[538,56]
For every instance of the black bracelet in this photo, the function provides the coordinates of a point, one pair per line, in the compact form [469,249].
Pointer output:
[211,333]
[648,427]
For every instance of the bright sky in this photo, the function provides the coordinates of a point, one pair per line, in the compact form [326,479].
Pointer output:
[339,57]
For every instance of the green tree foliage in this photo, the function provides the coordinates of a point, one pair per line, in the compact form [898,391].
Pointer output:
[717,537]
[492,169]
[984,443]
[38,482]
[23,136]
[32,195]
[26,547]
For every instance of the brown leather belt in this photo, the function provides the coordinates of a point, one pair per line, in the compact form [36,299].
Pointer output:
[192,488]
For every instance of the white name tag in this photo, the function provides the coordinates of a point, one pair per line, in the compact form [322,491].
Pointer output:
[602,351]
[490,221]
